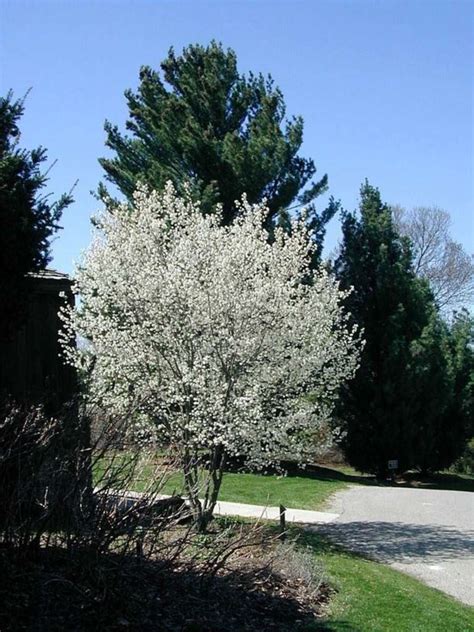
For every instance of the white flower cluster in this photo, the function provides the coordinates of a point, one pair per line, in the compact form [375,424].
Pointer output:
[215,332]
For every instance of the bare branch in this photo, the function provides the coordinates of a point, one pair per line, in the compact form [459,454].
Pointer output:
[439,259]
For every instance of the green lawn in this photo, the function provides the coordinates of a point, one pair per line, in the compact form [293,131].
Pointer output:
[308,490]
[311,490]
[292,491]
[373,597]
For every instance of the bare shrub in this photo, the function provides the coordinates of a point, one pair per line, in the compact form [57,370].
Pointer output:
[62,532]
[293,563]
[35,473]
[127,559]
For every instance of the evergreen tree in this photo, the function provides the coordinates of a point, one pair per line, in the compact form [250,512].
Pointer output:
[462,354]
[377,412]
[433,376]
[444,388]
[27,219]
[458,425]
[203,123]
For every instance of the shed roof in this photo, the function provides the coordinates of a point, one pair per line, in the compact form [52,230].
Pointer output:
[49,274]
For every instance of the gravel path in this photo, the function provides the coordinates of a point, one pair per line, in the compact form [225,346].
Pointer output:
[426,533]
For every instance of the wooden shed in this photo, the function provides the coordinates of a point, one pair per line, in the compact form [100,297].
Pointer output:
[31,369]
[32,372]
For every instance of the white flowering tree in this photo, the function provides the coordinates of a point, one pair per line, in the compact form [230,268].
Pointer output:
[227,343]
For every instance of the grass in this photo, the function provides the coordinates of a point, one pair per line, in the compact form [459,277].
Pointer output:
[309,489]
[372,597]
[298,492]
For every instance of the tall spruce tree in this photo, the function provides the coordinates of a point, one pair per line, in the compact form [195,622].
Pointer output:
[203,123]
[378,412]
[443,384]
[458,426]
[433,374]
[28,219]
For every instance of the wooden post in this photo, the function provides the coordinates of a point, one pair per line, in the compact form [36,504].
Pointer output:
[139,545]
[282,522]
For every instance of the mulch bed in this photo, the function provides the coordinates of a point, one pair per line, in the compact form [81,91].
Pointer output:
[52,592]
[240,601]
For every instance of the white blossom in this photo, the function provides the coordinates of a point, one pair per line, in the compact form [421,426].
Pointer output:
[217,332]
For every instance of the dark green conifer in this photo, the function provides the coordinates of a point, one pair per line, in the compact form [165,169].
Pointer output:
[28,219]
[201,122]
[378,412]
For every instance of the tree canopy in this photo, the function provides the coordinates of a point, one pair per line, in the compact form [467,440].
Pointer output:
[393,307]
[210,333]
[28,219]
[411,398]
[443,387]
[200,121]
[443,262]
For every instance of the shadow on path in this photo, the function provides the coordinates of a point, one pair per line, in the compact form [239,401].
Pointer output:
[401,542]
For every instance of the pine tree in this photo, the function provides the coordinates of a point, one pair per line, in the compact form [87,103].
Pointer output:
[27,219]
[378,412]
[458,426]
[433,376]
[203,123]
[462,354]
[444,387]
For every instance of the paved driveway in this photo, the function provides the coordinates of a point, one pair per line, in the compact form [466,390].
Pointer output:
[426,533]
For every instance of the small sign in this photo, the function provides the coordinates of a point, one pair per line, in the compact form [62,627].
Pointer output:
[393,464]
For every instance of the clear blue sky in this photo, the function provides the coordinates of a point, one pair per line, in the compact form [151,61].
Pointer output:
[385,88]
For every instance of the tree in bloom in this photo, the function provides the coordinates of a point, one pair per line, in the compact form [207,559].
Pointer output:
[230,346]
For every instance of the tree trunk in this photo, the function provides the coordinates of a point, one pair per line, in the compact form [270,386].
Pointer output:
[202,510]
[191,484]
[216,471]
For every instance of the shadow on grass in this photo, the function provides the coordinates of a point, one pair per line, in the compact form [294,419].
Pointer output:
[326,473]
[333,626]
[318,472]
[442,480]
[320,544]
